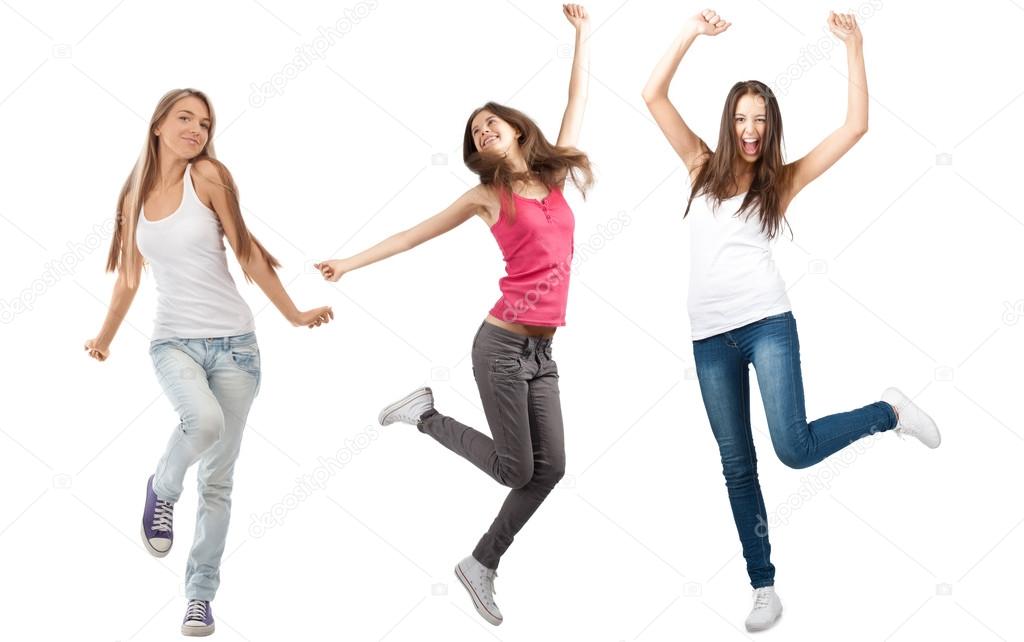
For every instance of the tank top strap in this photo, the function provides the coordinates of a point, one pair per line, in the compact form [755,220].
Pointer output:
[188,187]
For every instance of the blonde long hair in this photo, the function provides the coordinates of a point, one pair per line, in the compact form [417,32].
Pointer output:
[124,256]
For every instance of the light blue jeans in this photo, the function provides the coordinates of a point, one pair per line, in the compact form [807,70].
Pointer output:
[211,383]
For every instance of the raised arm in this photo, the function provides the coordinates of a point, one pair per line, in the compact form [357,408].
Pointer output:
[212,185]
[448,219]
[687,144]
[828,151]
[579,80]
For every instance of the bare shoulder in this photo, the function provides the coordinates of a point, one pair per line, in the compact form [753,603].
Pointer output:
[210,177]
[486,202]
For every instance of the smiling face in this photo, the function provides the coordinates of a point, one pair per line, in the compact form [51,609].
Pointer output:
[185,130]
[750,125]
[492,135]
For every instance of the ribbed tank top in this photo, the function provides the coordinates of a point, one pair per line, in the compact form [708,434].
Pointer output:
[733,278]
[196,296]
[538,248]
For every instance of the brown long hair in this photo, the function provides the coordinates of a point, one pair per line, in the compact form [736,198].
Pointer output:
[550,163]
[124,255]
[715,178]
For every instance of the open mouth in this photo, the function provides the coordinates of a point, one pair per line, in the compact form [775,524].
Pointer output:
[488,140]
[751,145]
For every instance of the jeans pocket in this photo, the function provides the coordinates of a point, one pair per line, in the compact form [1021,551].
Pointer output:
[507,365]
[247,359]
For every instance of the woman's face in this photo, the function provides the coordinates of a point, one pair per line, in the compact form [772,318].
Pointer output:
[186,128]
[750,124]
[492,135]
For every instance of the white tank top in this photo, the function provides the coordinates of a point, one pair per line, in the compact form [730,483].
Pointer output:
[733,278]
[196,296]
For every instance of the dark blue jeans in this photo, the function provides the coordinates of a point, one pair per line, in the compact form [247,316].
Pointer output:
[722,361]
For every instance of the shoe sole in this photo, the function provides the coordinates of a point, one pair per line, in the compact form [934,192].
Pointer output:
[149,547]
[766,626]
[480,608]
[398,404]
[196,631]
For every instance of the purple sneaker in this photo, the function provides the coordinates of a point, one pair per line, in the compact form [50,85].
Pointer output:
[198,619]
[157,528]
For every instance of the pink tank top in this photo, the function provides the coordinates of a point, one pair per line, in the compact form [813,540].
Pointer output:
[537,247]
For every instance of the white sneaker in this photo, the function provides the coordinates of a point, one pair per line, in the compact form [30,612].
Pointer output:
[409,409]
[767,609]
[912,420]
[479,581]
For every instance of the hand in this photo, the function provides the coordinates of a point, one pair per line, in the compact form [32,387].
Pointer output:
[313,318]
[844,26]
[331,270]
[709,23]
[576,15]
[97,351]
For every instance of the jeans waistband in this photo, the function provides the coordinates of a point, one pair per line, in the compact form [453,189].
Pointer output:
[525,343]
[223,342]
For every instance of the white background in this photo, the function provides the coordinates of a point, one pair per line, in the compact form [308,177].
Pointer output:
[905,270]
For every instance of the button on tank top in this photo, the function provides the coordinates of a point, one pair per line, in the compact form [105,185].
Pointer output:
[733,278]
[538,248]
[196,296]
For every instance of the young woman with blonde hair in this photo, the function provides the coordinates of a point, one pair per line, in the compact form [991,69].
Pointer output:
[175,209]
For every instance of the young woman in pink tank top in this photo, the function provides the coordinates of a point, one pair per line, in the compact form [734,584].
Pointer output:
[520,199]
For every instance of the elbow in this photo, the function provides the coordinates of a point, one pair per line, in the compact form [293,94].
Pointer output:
[406,241]
[650,95]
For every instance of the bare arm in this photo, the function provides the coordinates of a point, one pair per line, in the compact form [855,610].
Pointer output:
[257,267]
[836,144]
[579,80]
[686,143]
[448,219]
[120,300]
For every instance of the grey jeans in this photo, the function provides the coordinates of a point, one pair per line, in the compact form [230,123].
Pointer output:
[518,384]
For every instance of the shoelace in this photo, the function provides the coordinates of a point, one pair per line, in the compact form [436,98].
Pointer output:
[489,581]
[163,516]
[761,599]
[196,610]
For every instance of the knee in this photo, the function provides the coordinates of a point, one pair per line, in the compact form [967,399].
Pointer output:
[215,490]
[204,423]
[518,475]
[548,473]
[739,472]
[791,457]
